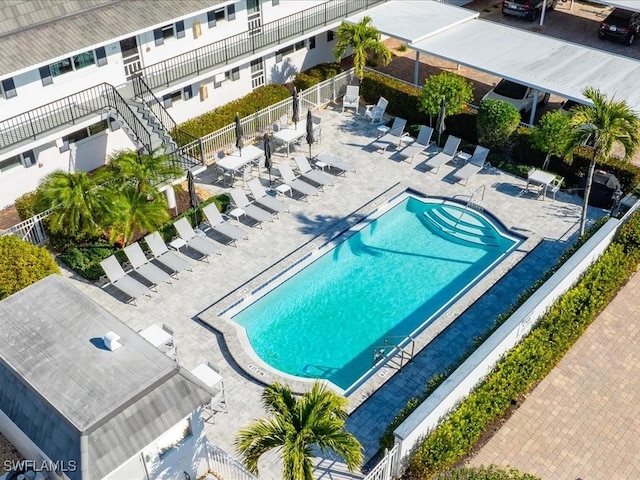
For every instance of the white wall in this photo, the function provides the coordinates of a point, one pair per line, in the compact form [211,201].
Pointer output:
[460,383]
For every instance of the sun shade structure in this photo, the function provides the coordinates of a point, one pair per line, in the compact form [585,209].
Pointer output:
[546,64]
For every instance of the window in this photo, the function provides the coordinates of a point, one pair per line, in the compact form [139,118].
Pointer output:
[330,35]
[8,88]
[291,48]
[101,56]
[174,437]
[253,6]
[180,29]
[168,100]
[231,12]
[299,45]
[256,65]
[164,33]
[25,159]
[187,92]
[235,74]
[215,16]
[86,132]
[312,43]
[66,65]
[275,3]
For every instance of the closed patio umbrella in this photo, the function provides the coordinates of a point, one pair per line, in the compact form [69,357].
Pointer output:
[239,142]
[441,116]
[193,195]
[310,138]
[296,108]
[267,154]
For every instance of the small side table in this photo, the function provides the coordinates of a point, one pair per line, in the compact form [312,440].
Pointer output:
[406,140]
[237,213]
[284,189]
[464,156]
[177,243]
[382,130]
[321,165]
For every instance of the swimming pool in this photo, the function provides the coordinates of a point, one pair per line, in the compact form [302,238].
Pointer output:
[401,268]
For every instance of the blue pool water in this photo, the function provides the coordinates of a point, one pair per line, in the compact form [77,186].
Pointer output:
[386,280]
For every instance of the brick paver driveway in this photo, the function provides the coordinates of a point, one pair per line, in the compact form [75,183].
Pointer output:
[583,420]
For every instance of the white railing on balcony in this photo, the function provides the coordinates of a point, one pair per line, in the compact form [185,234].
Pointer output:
[387,468]
[222,466]
[255,125]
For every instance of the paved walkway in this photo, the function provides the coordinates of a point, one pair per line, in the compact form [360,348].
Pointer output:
[583,420]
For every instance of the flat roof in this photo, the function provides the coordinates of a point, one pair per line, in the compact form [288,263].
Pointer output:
[411,21]
[633,5]
[552,65]
[52,339]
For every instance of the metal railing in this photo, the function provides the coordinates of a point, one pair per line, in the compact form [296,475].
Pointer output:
[388,467]
[223,466]
[31,229]
[69,110]
[256,124]
[245,44]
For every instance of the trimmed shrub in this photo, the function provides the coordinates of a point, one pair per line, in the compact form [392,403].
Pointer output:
[403,98]
[457,90]
[532,359]
[497,120]
[224,115]
[462,125]
[486,473]
[22,264]
[26,205]
[317,74]
[85,260]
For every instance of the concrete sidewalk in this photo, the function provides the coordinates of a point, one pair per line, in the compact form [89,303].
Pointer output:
[583,420]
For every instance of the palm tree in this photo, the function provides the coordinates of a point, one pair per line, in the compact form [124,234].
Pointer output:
[144,171]
[363,39]
[135,212]
[79,203]
[604,124]
[295,425]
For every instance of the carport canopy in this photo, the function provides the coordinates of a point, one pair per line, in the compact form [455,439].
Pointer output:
[543,63]
[633,5]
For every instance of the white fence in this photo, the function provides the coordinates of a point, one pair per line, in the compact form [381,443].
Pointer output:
[30,230]
[461,382]
[255,125]
[388,467]
[222,466]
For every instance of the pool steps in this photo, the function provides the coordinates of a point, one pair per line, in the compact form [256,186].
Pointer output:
[467,228]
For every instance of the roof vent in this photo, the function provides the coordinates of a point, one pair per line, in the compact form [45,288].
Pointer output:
[111,341]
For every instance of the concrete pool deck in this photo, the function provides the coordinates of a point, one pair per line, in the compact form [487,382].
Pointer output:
[549,225]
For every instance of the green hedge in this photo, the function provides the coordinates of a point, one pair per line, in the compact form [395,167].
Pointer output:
[317,74]
[22,264]
[486,473]
[26,205]
[85,260]
[532,359]
[224,115]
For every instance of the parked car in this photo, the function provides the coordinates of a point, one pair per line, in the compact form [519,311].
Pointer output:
[567,105]
[529,9]
[621,25]
[520,96]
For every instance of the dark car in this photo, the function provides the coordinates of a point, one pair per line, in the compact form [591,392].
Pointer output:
[529,9]
[620,25]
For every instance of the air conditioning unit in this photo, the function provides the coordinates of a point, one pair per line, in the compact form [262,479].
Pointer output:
[197,29]
[204,93]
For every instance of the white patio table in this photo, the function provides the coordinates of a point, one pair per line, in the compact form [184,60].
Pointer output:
[291,135]
[540,177]
[156,335]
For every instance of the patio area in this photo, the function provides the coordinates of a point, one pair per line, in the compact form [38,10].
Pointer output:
[185,306]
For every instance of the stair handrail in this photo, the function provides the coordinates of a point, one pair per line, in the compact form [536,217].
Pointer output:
[380,351]
[466,207]
[34,122]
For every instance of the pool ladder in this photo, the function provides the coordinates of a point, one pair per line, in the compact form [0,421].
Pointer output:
[471,203]
[403,355]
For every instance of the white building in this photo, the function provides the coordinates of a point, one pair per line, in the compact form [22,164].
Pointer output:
[70,89]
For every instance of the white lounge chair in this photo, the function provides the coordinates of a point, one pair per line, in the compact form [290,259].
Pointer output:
[261,197]
[392,137]
[201,245]
[351,99]
[252,211]
[420,145]
[308,173]
[376,112]
[166,257]
[123,282]
[473,166]
[303,188]
[448,152]
[143,267]
[332,161]
[220,225]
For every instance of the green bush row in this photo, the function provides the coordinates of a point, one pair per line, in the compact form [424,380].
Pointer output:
[532,359]
[85,259]
[486,473]
[317,74]
[224,115]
